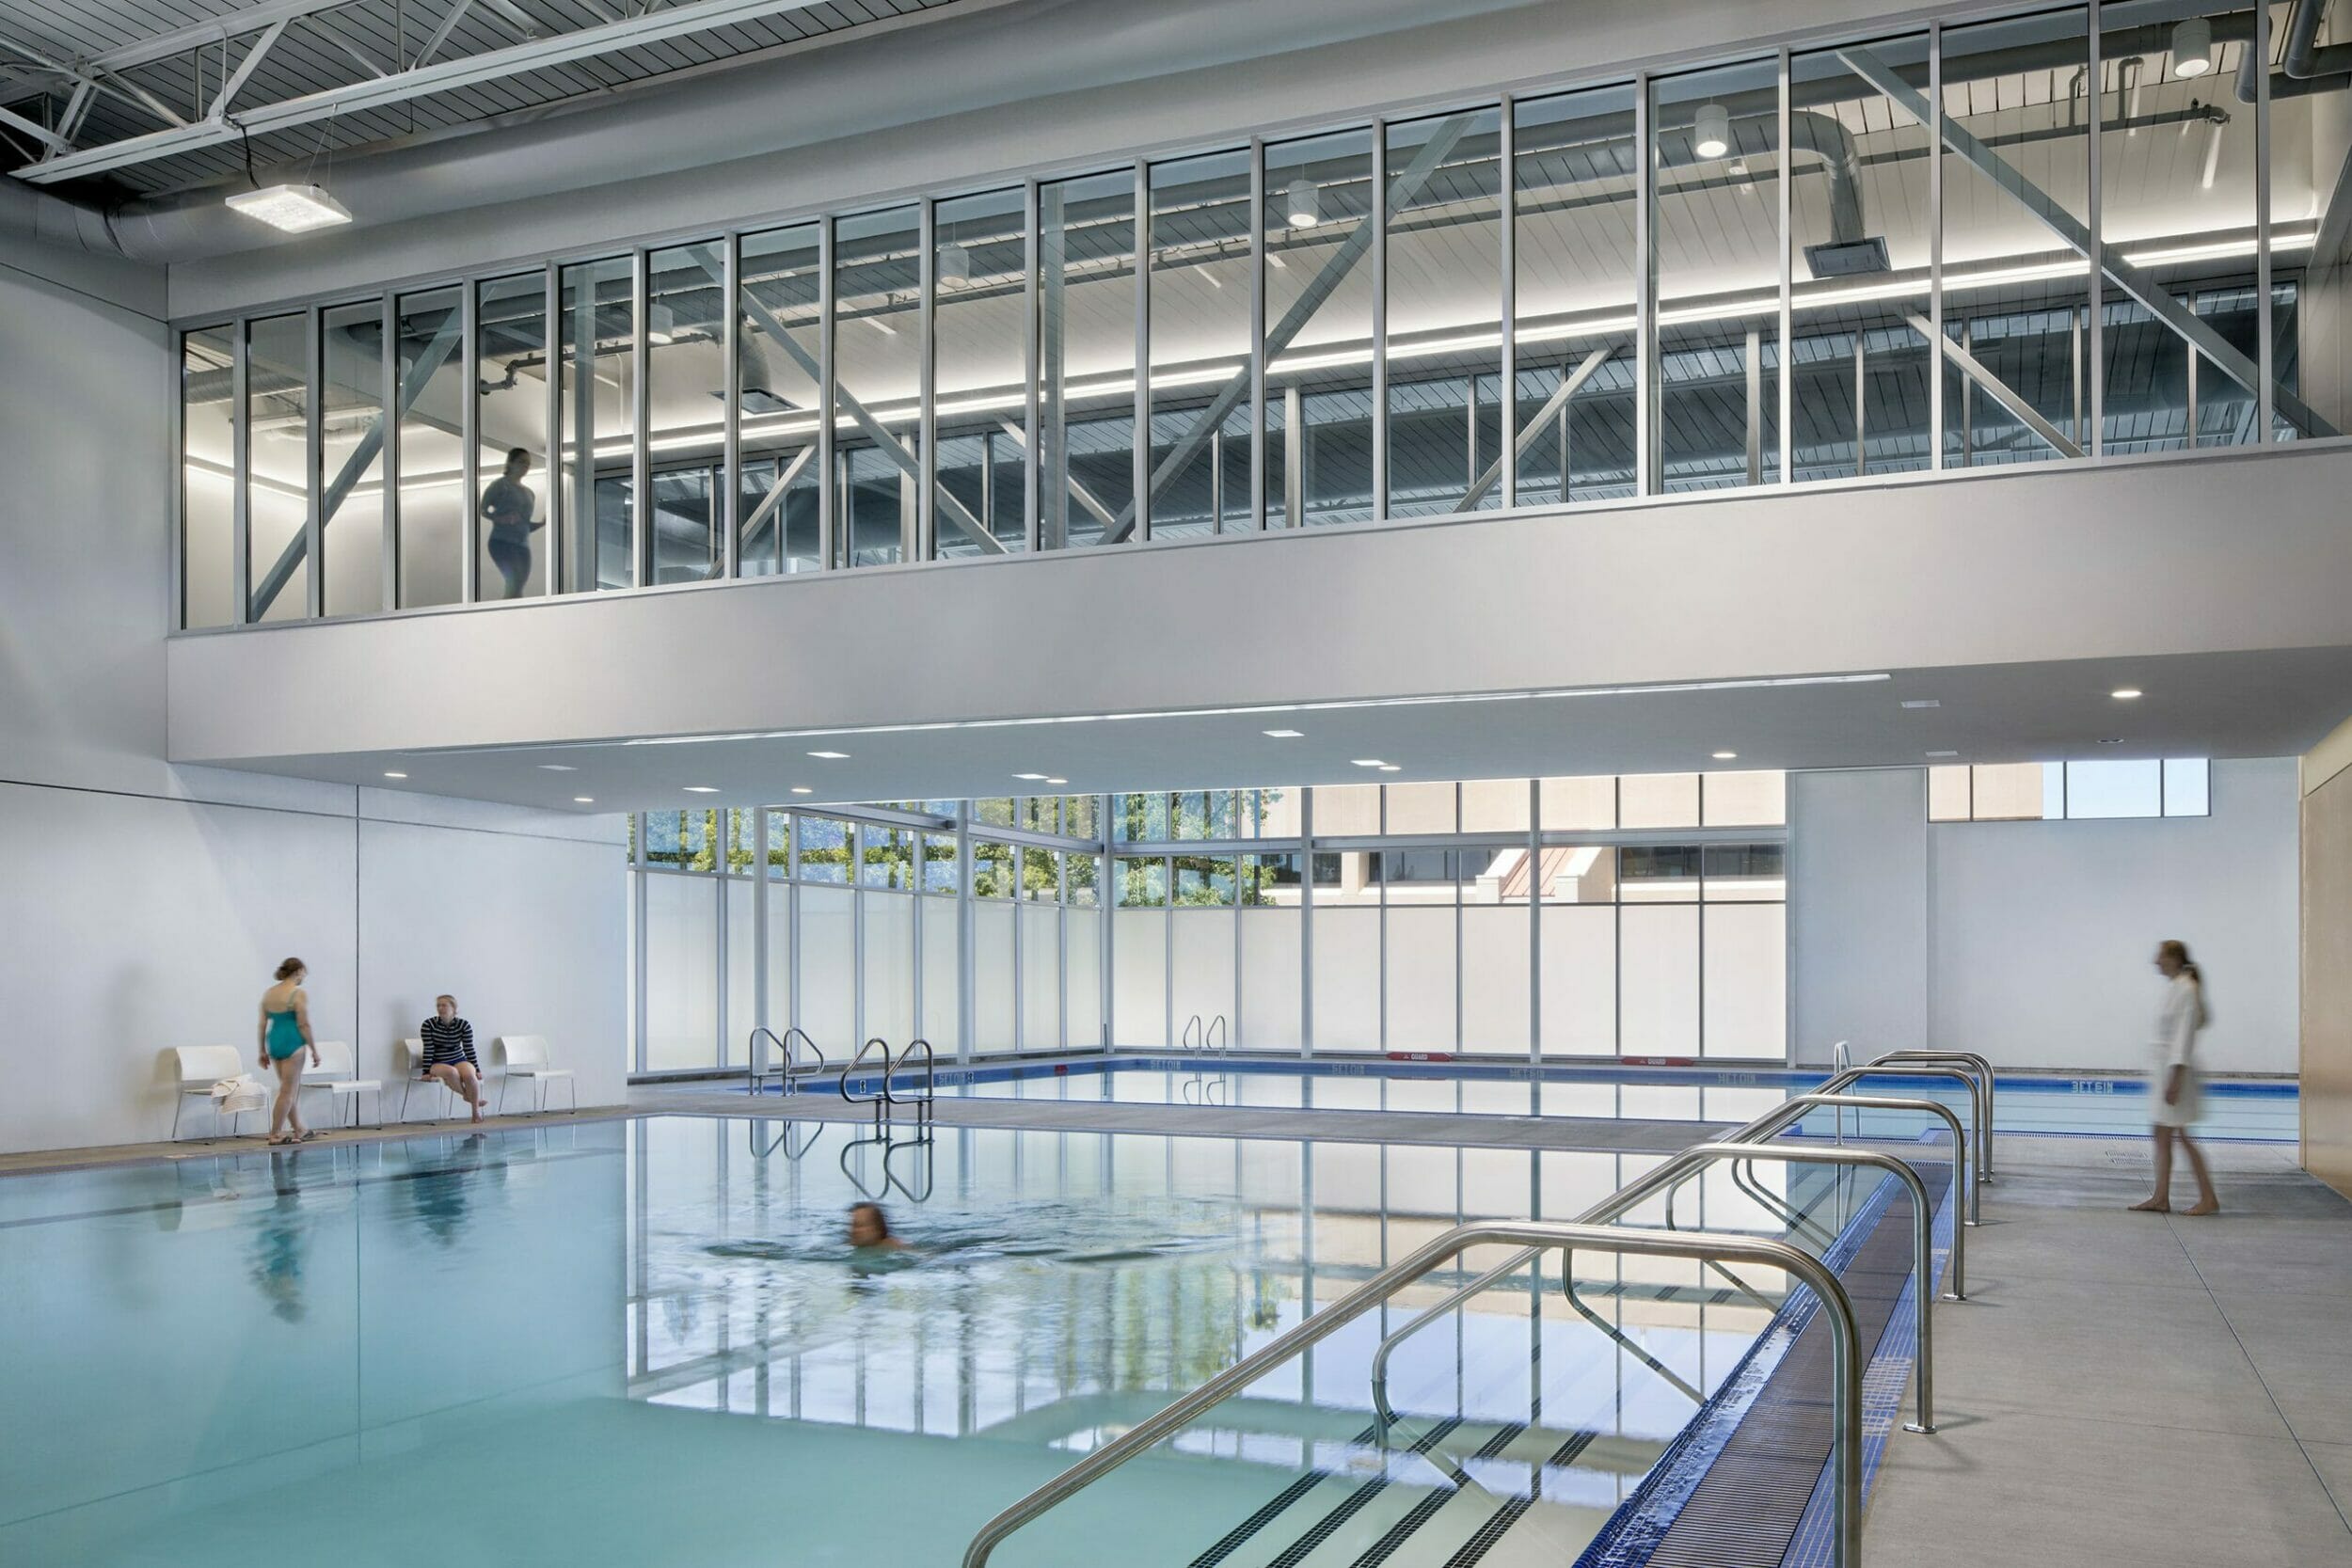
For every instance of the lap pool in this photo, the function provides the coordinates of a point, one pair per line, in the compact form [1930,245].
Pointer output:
[646,1341]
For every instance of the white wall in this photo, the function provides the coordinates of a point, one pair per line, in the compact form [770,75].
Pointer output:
[2043,932]
[2030,942]
[1858,909]
[146,905]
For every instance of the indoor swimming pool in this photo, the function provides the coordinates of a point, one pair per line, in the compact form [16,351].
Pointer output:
[651,1341]
[2256,1111]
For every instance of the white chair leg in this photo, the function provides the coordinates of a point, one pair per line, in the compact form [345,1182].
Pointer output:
[180,1105]
[504,1079]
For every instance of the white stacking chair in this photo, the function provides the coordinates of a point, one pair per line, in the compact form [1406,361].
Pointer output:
[528,1056]
[412,1052]
[200,1068]
[338,1074]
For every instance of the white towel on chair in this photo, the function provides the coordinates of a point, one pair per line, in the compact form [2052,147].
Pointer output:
[241,1093]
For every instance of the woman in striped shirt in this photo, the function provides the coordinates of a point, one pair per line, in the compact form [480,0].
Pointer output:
[449,1053]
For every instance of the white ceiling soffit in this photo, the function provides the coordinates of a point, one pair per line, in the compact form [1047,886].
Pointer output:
[2238,705]
[96,87]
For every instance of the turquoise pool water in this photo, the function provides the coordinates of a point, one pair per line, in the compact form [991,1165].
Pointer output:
[647,1343]
[2251,1111]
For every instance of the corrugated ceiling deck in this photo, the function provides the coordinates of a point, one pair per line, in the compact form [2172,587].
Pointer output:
[323,51]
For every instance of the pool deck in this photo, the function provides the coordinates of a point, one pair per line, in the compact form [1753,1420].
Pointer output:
[2136,1389]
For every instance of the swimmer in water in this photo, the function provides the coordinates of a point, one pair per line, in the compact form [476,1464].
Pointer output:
[869,1228]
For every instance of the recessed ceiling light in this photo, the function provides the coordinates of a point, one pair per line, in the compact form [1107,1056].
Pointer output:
[395,775]
[1391,768]
[1724,756]
[2124,694]
[1942,754]
[2112,740]
[831,757]
[1370,762]
[295,209]
[1283,734]
[583,799]
[1031,778]
[801,789]
[559,768]
[1922,701]
[1058,781]
[702,789]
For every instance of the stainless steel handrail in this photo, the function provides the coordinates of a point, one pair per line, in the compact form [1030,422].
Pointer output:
[1983,1071]
[1535,1236]
[1669,1177]
[1793,1109]
[789,1061]
[1217,1037]
[1922,1238]
[925,1103]
[1979,1113]
[878,1099]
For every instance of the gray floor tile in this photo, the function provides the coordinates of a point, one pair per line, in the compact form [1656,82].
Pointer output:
[2054,1490]
[2333,1461]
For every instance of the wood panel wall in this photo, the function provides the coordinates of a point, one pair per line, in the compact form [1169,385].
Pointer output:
[2327,968]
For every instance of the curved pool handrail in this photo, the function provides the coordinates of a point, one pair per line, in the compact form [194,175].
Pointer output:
[892,1066]
[1985,1089]
[1535,1237]
[1665,1178]
[878,1099]
[788,1068]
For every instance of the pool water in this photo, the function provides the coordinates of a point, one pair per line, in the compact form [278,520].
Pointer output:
[648,1341]
[2247,1111]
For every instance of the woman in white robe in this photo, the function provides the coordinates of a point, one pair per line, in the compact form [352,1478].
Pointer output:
[2174,1096]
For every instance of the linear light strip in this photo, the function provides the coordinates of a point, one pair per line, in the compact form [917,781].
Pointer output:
[1346,705]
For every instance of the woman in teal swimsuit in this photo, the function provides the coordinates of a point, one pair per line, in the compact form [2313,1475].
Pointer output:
[284,1036]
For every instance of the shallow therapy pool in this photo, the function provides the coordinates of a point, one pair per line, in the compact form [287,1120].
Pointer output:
[2251,1111]
[647,1342]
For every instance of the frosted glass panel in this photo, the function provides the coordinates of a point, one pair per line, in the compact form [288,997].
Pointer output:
[1269,1015]
[1659,800]
[1494,980]
[1202,981]
[1580,980]
[889,968]
[1659,980]
[1348,979]
[1760,797]
[1747,980]
[1345,809]
[941,1009]
[779,960]
[1041,977]
[1082,943]
[1139,978]
[1576,804]
[827,973]
[1420,979]
[681,971]
[994,1026]
[742,975]
[1496,805]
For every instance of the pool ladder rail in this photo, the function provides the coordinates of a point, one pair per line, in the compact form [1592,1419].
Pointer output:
[787,1064]
[1205,1036]
[887,1097]
[1588,1233]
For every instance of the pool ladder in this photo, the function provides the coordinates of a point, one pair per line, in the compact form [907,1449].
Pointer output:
[1204,1036]
[787,1065]
[885,1098]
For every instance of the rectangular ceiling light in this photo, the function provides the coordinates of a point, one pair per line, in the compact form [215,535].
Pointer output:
[295,209]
